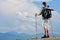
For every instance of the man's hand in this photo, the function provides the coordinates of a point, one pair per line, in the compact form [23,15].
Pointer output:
[35,14]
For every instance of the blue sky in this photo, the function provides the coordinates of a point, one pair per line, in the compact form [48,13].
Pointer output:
[54,4]
[18,16]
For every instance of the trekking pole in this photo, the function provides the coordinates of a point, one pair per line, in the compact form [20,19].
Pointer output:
[36,25]
[52,29]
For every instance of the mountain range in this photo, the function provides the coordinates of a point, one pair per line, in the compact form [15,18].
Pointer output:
[21,36]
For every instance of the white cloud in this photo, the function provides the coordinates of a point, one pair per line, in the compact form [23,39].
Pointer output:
[56,15]
[17,9]
[26,29]
[42,0]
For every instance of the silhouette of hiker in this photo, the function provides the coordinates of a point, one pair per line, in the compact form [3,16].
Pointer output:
[46,15]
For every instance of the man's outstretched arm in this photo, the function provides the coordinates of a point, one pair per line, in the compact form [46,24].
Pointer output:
[37,14]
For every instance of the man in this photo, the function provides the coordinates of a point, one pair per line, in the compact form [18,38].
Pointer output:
[45,24]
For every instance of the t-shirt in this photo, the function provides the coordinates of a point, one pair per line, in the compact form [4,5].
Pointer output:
[42,9]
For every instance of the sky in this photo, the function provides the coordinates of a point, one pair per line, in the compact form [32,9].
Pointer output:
[19,16]
[53,3]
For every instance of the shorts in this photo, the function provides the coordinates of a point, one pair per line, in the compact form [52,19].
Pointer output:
[45,24]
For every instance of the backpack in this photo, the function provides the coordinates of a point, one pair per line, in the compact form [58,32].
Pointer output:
[46,13]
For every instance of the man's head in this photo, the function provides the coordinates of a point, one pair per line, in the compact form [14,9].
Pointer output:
[44,4]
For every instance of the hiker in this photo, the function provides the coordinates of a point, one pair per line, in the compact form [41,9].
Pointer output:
[45,16]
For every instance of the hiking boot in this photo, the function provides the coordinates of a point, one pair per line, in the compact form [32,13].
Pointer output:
[47,36]
[44,36]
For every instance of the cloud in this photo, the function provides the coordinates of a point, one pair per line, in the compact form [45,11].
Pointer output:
[15,11]
[42,0]
[28,29]
[4,29]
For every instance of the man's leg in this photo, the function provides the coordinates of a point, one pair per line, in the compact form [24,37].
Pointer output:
[46,33]
[46,28]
